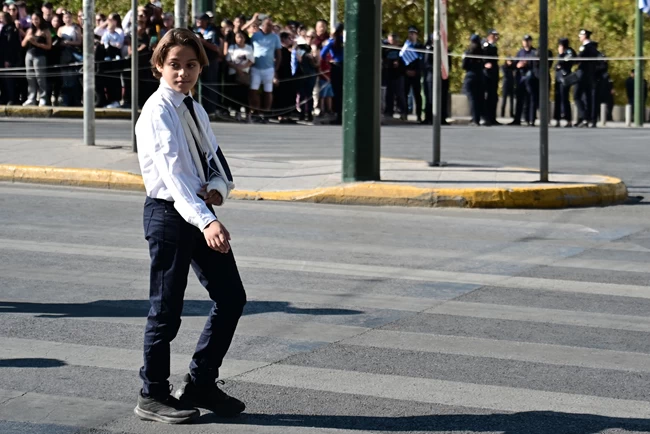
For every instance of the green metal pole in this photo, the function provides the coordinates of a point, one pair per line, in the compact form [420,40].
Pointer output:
[639,106]
[543,90]
[427,20]
[361,91]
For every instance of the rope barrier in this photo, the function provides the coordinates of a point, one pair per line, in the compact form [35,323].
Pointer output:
[475,56]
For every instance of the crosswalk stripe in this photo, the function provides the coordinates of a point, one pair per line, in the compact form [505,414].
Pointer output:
[369,271]
[443,392]
[507,350]
[375,272]
[106,357]
[249,325]
[25,406]
[118,417]
[541,315]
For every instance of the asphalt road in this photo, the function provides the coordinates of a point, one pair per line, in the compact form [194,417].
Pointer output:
[359,320]
[618,152]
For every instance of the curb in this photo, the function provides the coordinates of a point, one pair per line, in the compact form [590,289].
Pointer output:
[61,112]
[110,179]
[548,196]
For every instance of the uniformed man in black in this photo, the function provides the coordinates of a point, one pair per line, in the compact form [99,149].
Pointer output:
[491,78]
[563,69]
[413,73]
[527,83]
[585,87]
[428,87]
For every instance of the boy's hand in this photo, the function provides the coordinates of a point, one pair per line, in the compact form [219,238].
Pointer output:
[217,237]
[213,197]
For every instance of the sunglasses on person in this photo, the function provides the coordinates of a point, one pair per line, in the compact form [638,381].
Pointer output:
[13,9]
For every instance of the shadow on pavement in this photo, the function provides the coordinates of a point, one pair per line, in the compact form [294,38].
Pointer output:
[533,422]
[35,362]
[139,308]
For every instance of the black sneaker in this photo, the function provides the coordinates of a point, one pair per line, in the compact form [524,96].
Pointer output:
[166,410]
[210,398]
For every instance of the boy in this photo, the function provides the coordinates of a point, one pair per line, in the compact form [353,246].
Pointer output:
[184,173]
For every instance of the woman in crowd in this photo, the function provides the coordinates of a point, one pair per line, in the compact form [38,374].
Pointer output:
[71,41]
[37,41]
[240,58]
[54,58]
[9,56]
[308,58]
[473,84]
[112,42]
[334,48]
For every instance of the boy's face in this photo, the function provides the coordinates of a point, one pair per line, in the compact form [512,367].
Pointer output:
[181,69]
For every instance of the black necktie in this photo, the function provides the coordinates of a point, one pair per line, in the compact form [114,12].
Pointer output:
[211,166]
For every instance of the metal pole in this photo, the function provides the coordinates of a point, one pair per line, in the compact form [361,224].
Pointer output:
[134,73]
[334,7]
[180,14]
[196,9]
[361,90]
[543,90]
[639,103]
[437,84]
[427,19]
[89,72]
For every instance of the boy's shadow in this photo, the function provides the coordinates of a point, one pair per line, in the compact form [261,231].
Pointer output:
[139,309]
[531,422]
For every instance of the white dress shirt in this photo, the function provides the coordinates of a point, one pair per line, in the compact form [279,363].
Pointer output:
[166,163]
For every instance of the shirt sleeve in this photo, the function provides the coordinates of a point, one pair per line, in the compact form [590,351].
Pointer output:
[326,48]
[159,141]
[249,53]
[278,43]
[119,40]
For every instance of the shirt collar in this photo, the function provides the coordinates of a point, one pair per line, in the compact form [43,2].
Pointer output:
[175,97]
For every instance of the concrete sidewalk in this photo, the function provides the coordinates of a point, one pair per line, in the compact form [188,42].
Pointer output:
[404,182]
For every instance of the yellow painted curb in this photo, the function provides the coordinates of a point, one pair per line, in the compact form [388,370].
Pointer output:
[542,196]
[28,112]
[548,196]
[111,179]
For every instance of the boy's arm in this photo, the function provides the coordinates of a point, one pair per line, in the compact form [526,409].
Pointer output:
[158,140]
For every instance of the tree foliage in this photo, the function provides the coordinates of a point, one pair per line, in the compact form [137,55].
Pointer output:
[612,21]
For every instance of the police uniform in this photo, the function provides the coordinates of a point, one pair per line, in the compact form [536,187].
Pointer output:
[413,77]
[527,86]
[491,80]
[428,87]
[563,69]
[585,88]
[473,84]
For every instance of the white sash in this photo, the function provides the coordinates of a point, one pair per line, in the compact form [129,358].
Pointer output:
[197,139]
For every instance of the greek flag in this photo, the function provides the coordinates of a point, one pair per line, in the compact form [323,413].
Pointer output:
[407,54]
[644,5]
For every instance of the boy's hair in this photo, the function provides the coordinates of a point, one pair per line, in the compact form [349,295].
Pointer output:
[173,38]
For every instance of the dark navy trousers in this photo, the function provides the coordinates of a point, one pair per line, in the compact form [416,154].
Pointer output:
[174,246]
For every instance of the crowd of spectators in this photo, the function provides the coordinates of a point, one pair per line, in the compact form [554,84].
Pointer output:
[259,69]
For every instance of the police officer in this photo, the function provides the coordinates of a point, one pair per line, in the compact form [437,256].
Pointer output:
[563,69]
[473,84]
[585,88]
[527,83]
[428,87]
[491,77]
[413,72]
